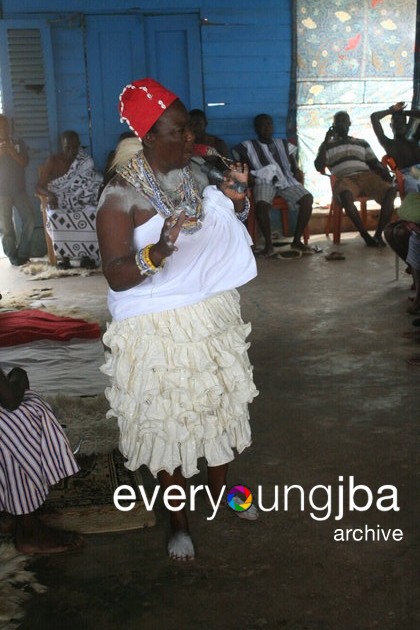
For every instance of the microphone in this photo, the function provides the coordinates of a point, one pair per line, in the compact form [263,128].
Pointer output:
[213,173]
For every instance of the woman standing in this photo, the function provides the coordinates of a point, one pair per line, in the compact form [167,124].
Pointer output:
[181,377]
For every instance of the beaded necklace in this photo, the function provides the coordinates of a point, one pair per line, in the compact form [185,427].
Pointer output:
[170,202]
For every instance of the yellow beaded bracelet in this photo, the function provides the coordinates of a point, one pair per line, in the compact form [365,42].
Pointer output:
[145,263]
[146,256]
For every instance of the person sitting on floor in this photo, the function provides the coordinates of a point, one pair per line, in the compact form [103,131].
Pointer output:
[405,151]
[34,455]
[69,183]
[276,173]
[357,172]
[198,124]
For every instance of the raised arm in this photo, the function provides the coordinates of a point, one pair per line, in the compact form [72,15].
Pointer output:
[375,119]
[321,159]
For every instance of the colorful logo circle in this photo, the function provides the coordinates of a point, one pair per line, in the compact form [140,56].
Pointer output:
[239,498]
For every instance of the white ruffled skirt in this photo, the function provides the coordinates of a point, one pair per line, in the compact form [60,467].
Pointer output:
[181,384]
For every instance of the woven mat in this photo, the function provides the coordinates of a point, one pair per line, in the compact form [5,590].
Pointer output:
[84,502]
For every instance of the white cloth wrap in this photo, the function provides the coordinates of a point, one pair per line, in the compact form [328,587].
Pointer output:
[216,258]
[181,384]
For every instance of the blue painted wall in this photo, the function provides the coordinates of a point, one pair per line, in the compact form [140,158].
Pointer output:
[245,56]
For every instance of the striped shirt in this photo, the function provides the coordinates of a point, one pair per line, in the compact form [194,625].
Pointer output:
[348,156]
[258,155]
[34,455]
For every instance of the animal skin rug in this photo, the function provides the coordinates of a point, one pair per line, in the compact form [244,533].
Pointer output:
[42,299]
[12,301]
[85,423]
[16,584]
[42,270]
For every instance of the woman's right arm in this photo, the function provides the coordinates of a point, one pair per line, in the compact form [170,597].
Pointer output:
[118,214]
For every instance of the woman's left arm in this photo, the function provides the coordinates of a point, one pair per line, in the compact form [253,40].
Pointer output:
[234,178]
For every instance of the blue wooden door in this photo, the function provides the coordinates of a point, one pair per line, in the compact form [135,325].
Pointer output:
[173,52]
[115,56]
[123,48]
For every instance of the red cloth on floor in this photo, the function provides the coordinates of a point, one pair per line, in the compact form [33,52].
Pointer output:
[19,327]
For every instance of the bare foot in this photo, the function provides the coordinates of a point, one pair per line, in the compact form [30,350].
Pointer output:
[369,240]
[180,547]
[32,536]
[380,241]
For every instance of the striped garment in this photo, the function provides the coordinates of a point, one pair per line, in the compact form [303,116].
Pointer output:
[258,155]
[348,156]
[34,455]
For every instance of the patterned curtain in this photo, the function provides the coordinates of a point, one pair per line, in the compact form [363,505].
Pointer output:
[352,55]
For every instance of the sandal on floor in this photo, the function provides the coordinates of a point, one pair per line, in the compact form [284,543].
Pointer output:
[289,254]
[335,256]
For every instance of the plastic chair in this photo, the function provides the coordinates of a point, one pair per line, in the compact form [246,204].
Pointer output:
[390,164]
[278,203]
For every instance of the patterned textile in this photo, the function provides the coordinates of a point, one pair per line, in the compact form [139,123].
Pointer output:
[72,225]
[73,233]
[352,56]
[78,188]
[34,455]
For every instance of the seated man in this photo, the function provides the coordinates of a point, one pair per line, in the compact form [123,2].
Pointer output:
[275,173]
[357,172]
[198,124]
[34,455]
[405,151]
[70,184]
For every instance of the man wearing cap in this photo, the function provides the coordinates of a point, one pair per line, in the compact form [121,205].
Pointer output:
[180,375]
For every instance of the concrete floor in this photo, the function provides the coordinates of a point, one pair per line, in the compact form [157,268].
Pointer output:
[337,399]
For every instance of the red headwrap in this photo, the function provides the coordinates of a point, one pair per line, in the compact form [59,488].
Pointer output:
[142,103]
